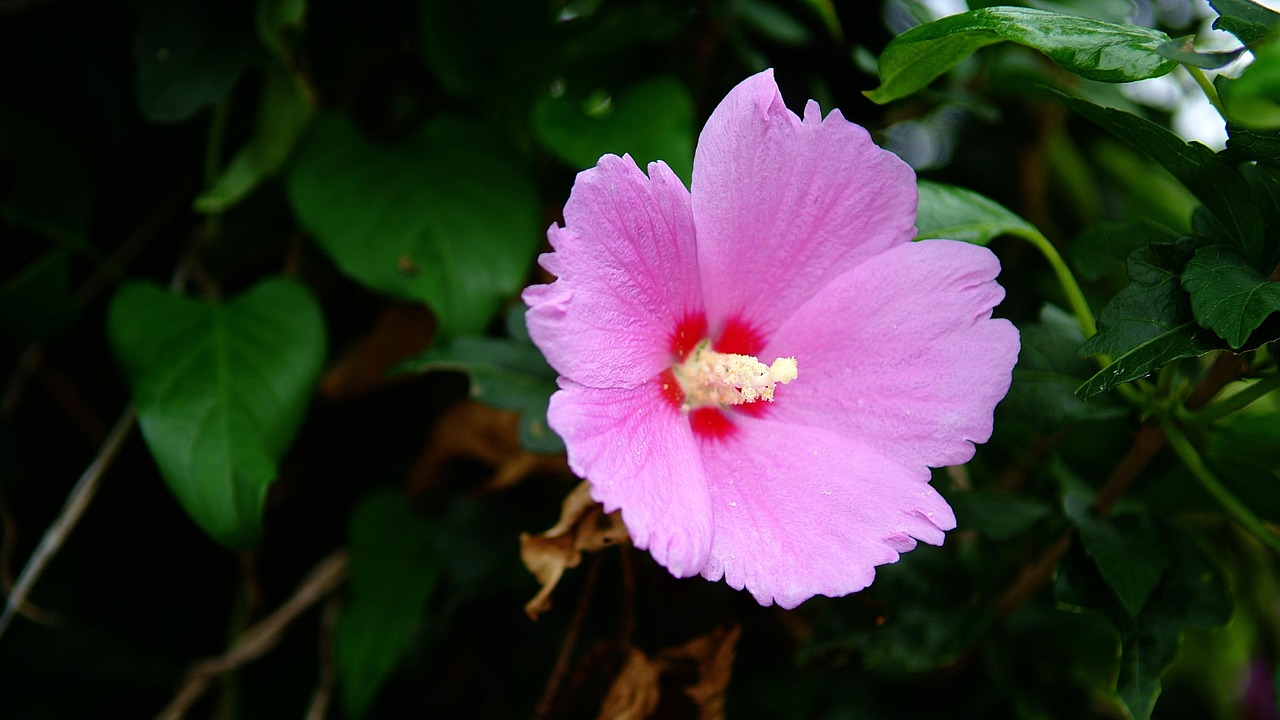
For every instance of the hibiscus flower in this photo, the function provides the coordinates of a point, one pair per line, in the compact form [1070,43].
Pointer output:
[761,371]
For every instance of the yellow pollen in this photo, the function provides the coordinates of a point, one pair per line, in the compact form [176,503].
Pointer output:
[708,377]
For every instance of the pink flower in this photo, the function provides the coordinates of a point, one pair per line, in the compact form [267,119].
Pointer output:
[797,475]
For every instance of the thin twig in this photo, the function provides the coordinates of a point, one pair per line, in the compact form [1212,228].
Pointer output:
[77,503]
[546,703]
[260,638]
[323,694]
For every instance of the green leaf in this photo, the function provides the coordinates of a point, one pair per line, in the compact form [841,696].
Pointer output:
[998,516]
[1245,455]
[472,52]
[1185,340]
[283,113]
[1049,370]
[394,569]
[1183,50]
[1095,50]
[954,213]
[220,390]
[508,373]
[1253,100]
[444,217]
[651,120]
[1152,305]
[1248,21]
[1194,593]
[1127,548]
[1149,323]
[771,21]
[1107,245]
[1228,296]
[1213,180]
[188,56]
[1147,650]
[1246,145]
[276,21]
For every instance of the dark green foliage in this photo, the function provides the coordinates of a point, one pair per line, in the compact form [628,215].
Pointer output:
[346,200]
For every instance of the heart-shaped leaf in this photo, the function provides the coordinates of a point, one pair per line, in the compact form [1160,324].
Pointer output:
[444,217]
[220,390]
[394,567]
[652,120]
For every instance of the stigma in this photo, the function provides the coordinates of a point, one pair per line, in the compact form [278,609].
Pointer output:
[709,378]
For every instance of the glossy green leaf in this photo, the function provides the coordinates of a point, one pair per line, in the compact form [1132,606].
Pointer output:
[1183,50]
[220,390]
[394,569]
[1247,144]
[188,56]
[1213,180]
[1149,323]
[283,113]
[1116,11]
[1185,340]
[1151,305]
[1247,20]
[954,213]
[1254,98]
[444,217]
[651,120]
[1109,52]
[1228,296]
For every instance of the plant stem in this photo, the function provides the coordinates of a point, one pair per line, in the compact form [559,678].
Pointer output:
[1236,509]
[1075,296]
[77,502]
[1206,86]
[1226,406]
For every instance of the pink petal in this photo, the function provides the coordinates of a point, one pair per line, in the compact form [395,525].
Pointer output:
[782,206]
[637,450]
[802,511]
[627,274]
[902,353]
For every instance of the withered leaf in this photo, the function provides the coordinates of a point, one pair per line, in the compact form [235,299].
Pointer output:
[583,527]
[636,691]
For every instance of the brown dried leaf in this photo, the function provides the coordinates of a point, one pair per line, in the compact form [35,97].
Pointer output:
[713,654]
[491,436]
[583,527]
[636,691]
[400,332]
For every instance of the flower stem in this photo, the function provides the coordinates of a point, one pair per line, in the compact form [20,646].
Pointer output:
[1206,86]
[1075,296]
[1238,401]
[1236,509]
